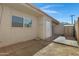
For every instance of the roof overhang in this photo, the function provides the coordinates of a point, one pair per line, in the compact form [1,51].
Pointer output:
[23,7]
[30,7]
[43,13]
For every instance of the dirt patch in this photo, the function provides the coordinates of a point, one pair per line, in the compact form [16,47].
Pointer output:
[27,48]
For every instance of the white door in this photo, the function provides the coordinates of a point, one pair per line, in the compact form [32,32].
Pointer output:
[48,29]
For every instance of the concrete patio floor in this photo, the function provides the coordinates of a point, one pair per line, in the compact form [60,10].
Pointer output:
[63,40]
[54,49]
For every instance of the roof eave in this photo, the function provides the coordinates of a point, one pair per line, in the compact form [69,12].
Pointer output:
[53,19]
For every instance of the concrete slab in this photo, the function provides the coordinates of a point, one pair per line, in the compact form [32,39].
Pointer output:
[63,40]
[54,49]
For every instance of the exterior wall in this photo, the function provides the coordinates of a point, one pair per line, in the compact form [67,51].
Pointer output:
[45,29]
[59,29]
[40,28]
[11,35]
[77,30]
[68,30]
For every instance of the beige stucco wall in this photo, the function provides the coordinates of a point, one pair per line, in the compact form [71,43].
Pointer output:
[40,27]
[43,30]
[11,35]
[47,28]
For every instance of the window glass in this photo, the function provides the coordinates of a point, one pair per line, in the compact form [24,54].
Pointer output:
[27,22]
[17,21]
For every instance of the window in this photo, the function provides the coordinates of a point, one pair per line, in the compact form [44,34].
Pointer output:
[27,22]
[17,21]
